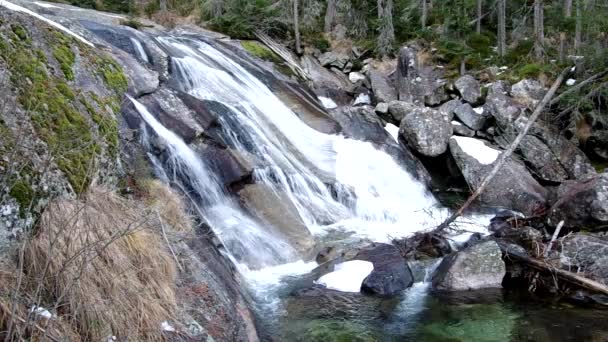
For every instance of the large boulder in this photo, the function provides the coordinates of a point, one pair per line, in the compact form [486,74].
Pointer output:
[391,274]
[474,118]
[322,77]
[416,83]
[586,254]
[449,107]
[477,267]
[460,129]
[513,187]
[426,130]
[541,160]
[399,109]
[334,59]
[469,89]
[503,108]
[278,210]
[361,123]
[528,92]
[582,204]
[383,90]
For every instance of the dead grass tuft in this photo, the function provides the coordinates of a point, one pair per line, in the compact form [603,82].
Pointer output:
[102,265]
[169,204]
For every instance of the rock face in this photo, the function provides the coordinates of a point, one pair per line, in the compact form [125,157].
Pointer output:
[383,90]
[476,267]
[585,253]
[512,187]
[528,92]
[469,89]
[426,130]
[474,118]
[391,274]
[277,209]
[582,204]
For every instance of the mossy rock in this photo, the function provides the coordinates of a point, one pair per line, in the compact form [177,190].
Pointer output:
[259,50]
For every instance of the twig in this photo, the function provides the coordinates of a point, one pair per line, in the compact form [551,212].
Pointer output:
[507,153]
[553,238]
[162,227]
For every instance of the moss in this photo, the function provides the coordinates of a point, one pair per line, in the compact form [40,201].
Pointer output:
[106,123]
[23,193]
[132,22]
[65,56]
[530,70]
[19,31]
[260,51]
[111,73]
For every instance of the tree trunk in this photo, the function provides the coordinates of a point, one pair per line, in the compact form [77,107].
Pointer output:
[578,33]
[563,35]
[296,25]
[330,14]
[539,29]
[463,66]
[502,28]
[424,14]
[479,14]
[163,5]
[386,37]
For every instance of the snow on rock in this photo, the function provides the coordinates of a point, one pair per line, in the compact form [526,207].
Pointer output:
[362,99]
[570,82]
[166,326]
[478,110]
[41,312]
[327,102]
[355,77]
[456,123]
[347,276]
[45,5]
[477,149]
[393,131]
[16,8]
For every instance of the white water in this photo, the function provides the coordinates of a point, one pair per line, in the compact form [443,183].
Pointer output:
[140,50]
[376,198]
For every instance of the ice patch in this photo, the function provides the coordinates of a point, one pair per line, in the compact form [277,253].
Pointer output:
[478,110]
[17,8]
[327,102]
[570,82]
[42,4]
[393,131]
[347,276]
[477,149]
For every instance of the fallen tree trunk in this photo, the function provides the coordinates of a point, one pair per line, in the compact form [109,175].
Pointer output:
[578,87]
[507,153]
[285,54]
[567,276]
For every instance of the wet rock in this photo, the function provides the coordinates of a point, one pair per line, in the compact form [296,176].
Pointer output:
[399,109]
[469,89]
[477,267]
[231,166]
[361,123]
[513,187]
[585,253]
[528,92]
[474,118]
[426,130]
[334,58]
[383,90]
[422,246]
[276,208]
[582,204]
[391,274]
[459,129]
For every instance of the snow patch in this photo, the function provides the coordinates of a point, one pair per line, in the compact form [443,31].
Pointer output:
[477,149]
[347,276]
[327,102]
[42,4]
[355,77]
[478,110]
[456,123]
[362,99]
[41,312]
[17,8]
[393,131]
[166,326]
[570,82]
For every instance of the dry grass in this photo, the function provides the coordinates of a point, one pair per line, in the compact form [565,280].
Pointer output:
[101,264]
[168,204]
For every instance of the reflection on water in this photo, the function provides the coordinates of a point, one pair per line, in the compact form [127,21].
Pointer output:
[471,316]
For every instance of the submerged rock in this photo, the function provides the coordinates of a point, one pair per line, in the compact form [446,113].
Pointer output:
[513,187]
[476,267]
[426,130]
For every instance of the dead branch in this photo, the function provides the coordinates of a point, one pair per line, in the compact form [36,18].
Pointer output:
[507,153]
[578,87]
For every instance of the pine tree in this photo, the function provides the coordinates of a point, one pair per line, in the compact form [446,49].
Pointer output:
[539,29]
[386,34]
[502,29]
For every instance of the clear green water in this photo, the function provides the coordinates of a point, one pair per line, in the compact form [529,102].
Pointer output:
[471,316]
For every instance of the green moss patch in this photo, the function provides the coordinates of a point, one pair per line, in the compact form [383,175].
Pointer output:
[23,193]
[65,56]
[112,74]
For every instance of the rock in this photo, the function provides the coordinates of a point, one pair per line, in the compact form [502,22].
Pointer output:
[399,109]
[381,108]
[277,209]
[335,59]
[355,77]
[418,84]
[391,274]
[361,123]
[423,246]
[476,267]
[499,87]
[503,109]
[582,204]
[469,89]
[513,187]
[474,118]
[383,90]
[426,130]
[597,144]
[362,99]
[321,77]
[459,129]
[449,107]
[586,254]
[230,166]
[541,160]
[528,92]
